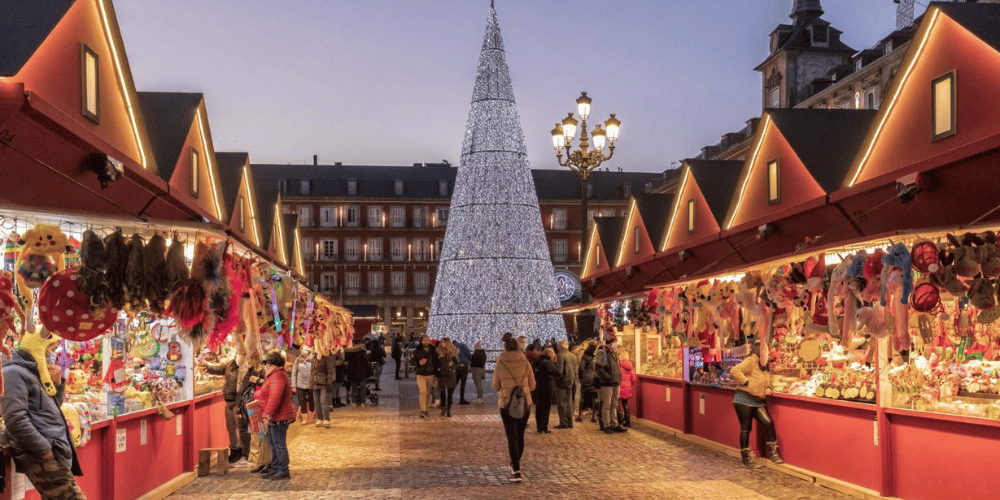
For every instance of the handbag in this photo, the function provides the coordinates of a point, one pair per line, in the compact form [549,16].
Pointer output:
[517,405]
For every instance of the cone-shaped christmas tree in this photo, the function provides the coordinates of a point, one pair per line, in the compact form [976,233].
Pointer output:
[495,275]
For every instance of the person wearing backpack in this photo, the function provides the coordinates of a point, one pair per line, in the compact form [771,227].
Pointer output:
[513,380]
[609,379]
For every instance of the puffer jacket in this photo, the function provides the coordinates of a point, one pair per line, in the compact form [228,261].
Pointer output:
[588,373]
[628,379]
[34,422]
[302,373]
[512,370]
[276,397]
[751,378]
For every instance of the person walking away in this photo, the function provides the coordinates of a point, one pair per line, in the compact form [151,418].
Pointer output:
[447,374]
[323,373]
[567,384]
[753,385]
[424,359]
[338,375]
[229,370]
[278,413]
[376,356]
[397,351]
[302,385]
[462,371]
[512,370]
[545,375]
[625,392]
[609,379]
[37,434]
[588,382]
[358,371]
[477,364]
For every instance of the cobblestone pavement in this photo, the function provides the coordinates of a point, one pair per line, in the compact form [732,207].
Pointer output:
[388,452]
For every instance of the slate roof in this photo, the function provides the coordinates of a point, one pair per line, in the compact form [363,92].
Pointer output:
[826,140]
[800,39]
[169,117]
[717,181]
[267,196]
[288,224]
[25,25]
[422,181]
[230,166]
[655,211]
[609,229]
[982,19]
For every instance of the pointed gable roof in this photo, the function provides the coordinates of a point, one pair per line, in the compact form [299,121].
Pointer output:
[982,20]
[24,29]
[717,181]
[825,140]
[168,116]
[267,199]
[231,176]
[655,212]
[609,230]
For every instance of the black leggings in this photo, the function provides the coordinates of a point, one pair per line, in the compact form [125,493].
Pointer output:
[746,414]
[514,428]
[305,400]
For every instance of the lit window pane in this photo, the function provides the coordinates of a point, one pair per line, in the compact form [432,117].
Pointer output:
[942,106]
[772,181]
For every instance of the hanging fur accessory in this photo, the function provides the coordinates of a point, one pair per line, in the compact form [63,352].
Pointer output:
[135,277]
[92,276]
[118,254]
[156,279]
[187,304]
[177,270]
[226,301]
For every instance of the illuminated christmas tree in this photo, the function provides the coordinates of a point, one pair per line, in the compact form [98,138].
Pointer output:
[495,274]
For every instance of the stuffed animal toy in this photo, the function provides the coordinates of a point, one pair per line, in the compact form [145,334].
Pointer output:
[118,257]
[988,256]
[872,320]
[155,277]
[10,307]
[66,310]
[840,291]
[897,284]
[72,422]
[42,254]
[965,264]
[36,344]
[947,279]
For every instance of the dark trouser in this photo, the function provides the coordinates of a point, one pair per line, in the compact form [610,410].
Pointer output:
[627,420]
[447,393]
[53,481]
[336,391]
[306,404]
[514,428]
[234,437]
[565,404]
[276,435]
[543,406]
[377,368]
[398,366]
[243,424]
[462,372]
[746,414]
[358,393]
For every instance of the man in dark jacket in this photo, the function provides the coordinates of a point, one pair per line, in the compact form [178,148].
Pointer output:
[397,351]
[358,370]
[609,378]
[424,360]
[567,384]
[462,369]
[36,430]
[376,356]
[231,372]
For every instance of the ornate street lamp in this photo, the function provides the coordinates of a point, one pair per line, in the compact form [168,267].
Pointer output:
[584,160]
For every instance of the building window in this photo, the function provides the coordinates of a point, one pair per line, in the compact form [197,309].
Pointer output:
[888,46]
[194,172]
[328,249]
[243,214]
[559,250]
[635,239]
[375,249]
[352,283]
[943,114]
[353,218]
[597,256]
[774,97]
[282,186]
[398,280]
[286,209]
[421,283]
[443,188]
[91,84]
[376,218]
[627,190]
[419,216]
[858,64]
[820,35]
[397,249]
[773,183]
[590,189]
[421,250]
[352,187]
[690,205]
[304,186]
[399,187]
[328,216]
[375,279]
[397,216]
[305,215]
[352,249]
[870,100]
[438,247]
[559,218]
[442,216]
[328,282]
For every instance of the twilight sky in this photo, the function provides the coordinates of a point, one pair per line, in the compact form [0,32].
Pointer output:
[388,82]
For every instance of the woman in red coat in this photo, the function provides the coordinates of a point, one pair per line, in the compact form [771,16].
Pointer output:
[278,412]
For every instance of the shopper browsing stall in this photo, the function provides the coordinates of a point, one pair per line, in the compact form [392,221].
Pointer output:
[276,403]
[753,378]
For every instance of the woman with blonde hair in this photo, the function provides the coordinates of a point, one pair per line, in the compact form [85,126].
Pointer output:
[447,374]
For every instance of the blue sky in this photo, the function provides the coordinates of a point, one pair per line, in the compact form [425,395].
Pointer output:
[388,82]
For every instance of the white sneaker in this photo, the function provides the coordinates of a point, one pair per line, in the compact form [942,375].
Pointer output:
[479,400]
[239,464]
[326,423]
[319,423]
[435,404]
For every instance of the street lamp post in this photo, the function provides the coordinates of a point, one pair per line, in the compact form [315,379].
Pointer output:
[584,160]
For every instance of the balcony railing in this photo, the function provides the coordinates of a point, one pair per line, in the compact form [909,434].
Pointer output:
[375,292]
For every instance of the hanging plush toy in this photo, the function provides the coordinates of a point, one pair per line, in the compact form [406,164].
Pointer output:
[36,344]
[897,284]
[66,310]
[10,308]
[42,255]
[177,270]
[840,291]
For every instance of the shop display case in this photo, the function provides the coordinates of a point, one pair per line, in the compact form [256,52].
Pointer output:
[661,356]
[821,368]
[714,374]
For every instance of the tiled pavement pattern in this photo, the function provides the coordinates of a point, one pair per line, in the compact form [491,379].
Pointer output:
[388,452]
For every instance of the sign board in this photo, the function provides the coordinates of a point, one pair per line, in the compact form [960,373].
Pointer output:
[567,285]
[701,403]
[142,432]
[120,440]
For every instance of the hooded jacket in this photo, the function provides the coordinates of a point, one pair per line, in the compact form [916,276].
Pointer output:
[609,370]
[35,424]
[628,379]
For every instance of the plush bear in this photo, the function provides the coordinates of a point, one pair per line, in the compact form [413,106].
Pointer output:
[872,320]
[964,253]
[37,343]
[840,291]
[42,254]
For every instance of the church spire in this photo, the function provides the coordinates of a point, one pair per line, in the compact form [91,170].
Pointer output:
[804,11]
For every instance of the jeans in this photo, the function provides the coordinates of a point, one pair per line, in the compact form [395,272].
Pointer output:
[398,366]
[424,383]
[276,435]
[746,414]
[609,406]
[446,395]
[514,428]
[378,372]
[336,390]
[462,373]
[321,395]
[478,374]
[543,407]
[243,427]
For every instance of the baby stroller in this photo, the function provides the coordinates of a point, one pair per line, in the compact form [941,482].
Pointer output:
[372,395]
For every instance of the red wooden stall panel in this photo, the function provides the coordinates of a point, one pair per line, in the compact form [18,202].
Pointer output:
[652,404]
[935,459]
[210,423]
[718,420]
[836,441]
[142,468]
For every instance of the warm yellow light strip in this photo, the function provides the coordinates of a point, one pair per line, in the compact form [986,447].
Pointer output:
[892,101]
[590,252]
[627,232]
[251,203]
[210,165]
[121,80]
[677,206]
[300,267]
[281,232]
[746,180]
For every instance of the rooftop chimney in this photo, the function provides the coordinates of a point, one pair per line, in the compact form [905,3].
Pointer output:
[315,159]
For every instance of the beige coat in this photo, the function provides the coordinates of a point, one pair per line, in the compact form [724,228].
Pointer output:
[512,370]
[749,371]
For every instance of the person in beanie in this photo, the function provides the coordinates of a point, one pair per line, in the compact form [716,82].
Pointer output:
[477,364]
[753,385]
[278,413]
[36,430]
[609,379]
